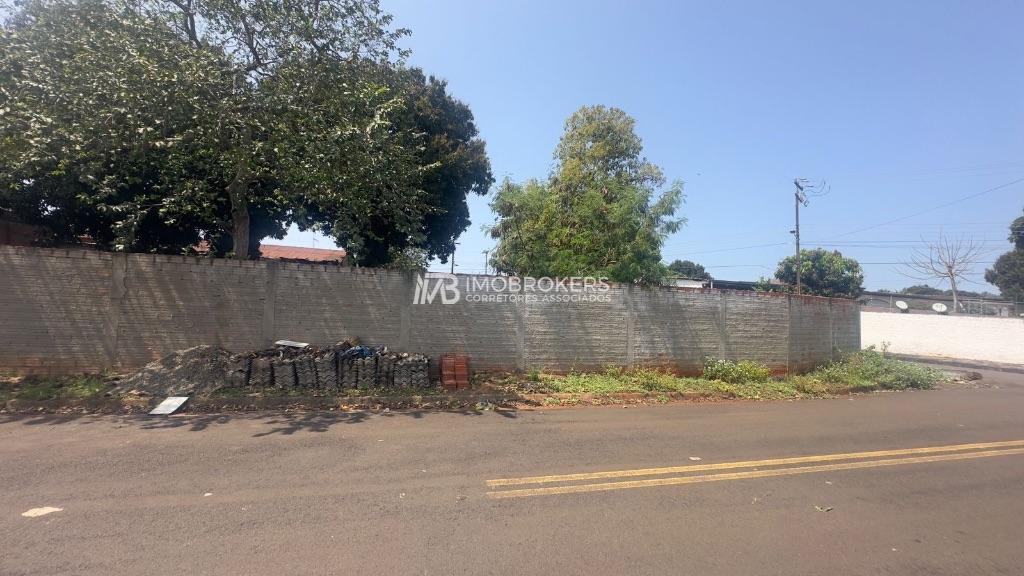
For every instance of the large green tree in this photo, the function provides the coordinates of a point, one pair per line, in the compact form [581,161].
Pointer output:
[454,161]
[149,125]
[689,269]
[100,112]
[1008,271]
[823,273]
[600,213]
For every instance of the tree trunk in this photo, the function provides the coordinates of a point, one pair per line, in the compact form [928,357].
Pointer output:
[239,221]
[238,191]
[956,300]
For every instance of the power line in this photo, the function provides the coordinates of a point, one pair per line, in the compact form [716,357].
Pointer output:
[902,263]
[861,263]
[729,249]
[932,209]
[857,242]
[987,247]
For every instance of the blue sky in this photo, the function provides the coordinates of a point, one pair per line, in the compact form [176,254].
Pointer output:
[900,106]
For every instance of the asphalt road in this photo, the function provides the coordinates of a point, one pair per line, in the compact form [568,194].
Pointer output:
[408,493]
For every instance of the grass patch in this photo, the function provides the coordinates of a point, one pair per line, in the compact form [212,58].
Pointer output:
[858,372]
[871,369]
[740,372]
[645,380]
[40,388]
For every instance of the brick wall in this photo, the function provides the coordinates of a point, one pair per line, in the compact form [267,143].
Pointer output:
[69,311]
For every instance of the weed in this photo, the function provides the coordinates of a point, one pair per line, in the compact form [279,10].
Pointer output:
[39,388]
[735,372]
[870,368]
[858,372]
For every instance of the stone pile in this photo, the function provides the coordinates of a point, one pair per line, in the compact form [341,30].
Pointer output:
[203,369]
[343,365]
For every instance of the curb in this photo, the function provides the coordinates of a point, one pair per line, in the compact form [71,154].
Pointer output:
[439,402]
[960,363]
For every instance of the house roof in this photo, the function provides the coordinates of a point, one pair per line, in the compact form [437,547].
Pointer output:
[278,252]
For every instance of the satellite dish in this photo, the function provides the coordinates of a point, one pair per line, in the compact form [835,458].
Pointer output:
[939,307]
[902,306]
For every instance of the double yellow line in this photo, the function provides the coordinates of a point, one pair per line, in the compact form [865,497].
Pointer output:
[673,475]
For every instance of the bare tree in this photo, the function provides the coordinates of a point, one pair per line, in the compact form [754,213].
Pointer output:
[948,259]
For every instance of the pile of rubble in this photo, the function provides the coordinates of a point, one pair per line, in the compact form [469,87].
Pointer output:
[201,370]
[347,364]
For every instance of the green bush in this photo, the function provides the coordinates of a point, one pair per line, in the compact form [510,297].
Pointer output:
[809,385]
[871,368]
[740,372]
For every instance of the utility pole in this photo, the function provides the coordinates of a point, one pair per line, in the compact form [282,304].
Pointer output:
[486,252]
[799,198]
[453,257]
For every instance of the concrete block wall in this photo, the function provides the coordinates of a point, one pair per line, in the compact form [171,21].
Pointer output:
[577,335]
[677,329]
[66,311]
[846,335]
[983,338]
[810,318]
[55,310]
[165,303]
[757,328]
[490,333]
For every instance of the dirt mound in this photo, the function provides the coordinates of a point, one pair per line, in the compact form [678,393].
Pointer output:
[198,370]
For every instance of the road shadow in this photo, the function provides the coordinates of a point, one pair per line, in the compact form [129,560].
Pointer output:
[276,422]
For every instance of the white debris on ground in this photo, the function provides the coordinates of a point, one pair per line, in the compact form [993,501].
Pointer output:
[169,406]
[36,512]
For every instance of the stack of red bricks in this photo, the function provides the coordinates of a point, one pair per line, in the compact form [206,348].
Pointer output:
[455,371]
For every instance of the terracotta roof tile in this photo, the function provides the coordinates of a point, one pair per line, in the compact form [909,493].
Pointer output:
[277,252]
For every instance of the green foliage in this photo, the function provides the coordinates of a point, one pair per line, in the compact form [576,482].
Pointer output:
[599,213]
[688,269]
[100,111]
[926,290]
[741,372]
[871,368]
[1008,271]
[151,125]
[1008,274]
[862,371]
[824,273]
[39,388]
[766,285]
[922,290]
[617,380]
[1016,236]
[454,164]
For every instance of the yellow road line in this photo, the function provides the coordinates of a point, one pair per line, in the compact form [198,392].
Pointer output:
[748,463]
[743,475]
